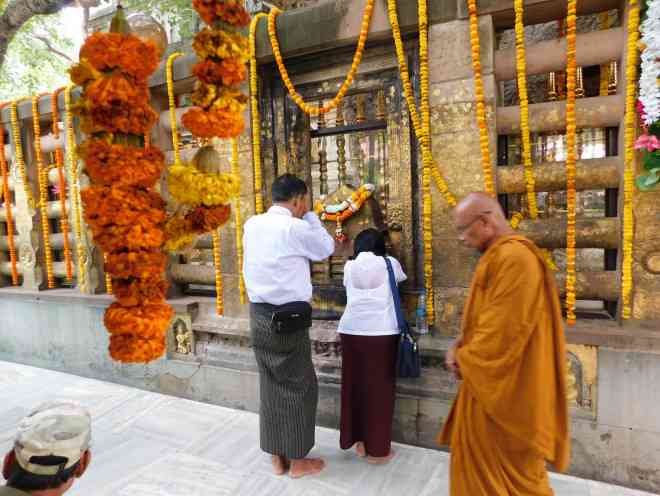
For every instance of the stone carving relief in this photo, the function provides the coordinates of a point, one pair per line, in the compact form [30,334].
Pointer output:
[182,337]
[582,377]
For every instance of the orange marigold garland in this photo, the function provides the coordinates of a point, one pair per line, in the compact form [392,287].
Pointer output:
[125,213]
[59,163]
[4,169]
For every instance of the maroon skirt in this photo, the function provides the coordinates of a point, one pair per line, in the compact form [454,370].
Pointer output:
[368,382]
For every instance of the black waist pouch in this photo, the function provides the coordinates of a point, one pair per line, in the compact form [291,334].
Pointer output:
[291,317]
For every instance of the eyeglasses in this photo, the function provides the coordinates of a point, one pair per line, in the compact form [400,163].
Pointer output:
[465,227]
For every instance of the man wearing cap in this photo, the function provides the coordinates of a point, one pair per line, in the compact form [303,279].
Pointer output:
[51,450]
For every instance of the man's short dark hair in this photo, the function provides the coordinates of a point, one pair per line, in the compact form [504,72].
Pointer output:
[21,479]
[287,187]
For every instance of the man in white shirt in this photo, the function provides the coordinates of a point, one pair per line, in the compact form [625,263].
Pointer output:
[279,246]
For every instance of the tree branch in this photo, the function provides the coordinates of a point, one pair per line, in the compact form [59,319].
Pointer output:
[52,49]
[18,12]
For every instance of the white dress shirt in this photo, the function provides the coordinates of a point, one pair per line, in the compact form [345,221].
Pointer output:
[277,250]
[370,305]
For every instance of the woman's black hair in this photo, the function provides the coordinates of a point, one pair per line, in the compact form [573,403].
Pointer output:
[286,187]
[371,240]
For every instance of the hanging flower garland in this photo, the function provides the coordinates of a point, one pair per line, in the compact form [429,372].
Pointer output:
[256,118]
[4,169]
[629,158]
[126,215]
[412,107]
[484,144]
[571,73]
[18,150]
[649,97]
[357,58]
[204,196]
[524,109]
[59,163]
[343,211]
[42,172]
[74,174]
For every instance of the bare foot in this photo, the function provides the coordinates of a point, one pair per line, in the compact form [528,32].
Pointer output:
[306,466]
[280,465]
[380,460]
[360,449]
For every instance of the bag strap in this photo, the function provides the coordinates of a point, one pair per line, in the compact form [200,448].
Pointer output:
[395,295]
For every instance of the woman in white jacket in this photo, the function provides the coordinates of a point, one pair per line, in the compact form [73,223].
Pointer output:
[369,343]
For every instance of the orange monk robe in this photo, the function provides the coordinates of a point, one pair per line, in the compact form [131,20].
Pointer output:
[511,414]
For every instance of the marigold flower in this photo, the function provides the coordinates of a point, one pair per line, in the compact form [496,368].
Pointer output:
[228,72]
[125,52]
[131,292]
[220,123]
[143,264]
[147,321]
[207,219]
[219,44]
[130,348]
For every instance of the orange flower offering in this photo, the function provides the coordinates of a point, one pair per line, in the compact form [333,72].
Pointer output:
[228,11]
[126,216]
[229,72]
[218,44]
[113,164]
[205,219]
[132,291]
[127,53]
[220,123]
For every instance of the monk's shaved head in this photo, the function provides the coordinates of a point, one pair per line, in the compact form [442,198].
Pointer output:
[480,220]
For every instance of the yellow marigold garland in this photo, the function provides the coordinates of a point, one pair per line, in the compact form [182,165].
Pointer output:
[571,71]
[74,171]
[42,172]
[108,279]
[59,163]
[235,170]
[412,107]
[521,72]
[314,109]
[4,168]
[217,263]
[18,147]
[629,158]
[172,104]
[484,144]
[256,118]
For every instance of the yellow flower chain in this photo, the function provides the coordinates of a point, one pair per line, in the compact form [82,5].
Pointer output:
[357,58]
[42,172]
[74,172]
[217,262]
[20,161]
[256,118]
[524,109]
[235,170]
[412,106]
[172,103]
[629,158]
[108,279]
[4,168]
[571,72]
[484,144]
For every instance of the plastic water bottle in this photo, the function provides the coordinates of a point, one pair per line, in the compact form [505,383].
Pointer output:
[421,323]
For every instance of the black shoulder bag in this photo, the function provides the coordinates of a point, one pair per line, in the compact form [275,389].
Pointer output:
[408,363]
[291,317]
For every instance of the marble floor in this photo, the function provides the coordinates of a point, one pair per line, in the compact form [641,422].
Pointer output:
[147,444]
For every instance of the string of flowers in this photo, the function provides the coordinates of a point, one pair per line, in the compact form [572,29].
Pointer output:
[125,213]
[235,170]
[412,106]
[571,73]
[649,98]
[74,172]
[256,118]
[42,173]
[9,217]
[171,98]
[524,109]
[314,109]
[59,163]
[18,150]
[629,158]
[484,144]
[217,263]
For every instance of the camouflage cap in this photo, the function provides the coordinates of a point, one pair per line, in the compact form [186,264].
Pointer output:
[56,428]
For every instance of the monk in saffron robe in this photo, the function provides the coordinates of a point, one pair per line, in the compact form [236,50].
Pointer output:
[511,415]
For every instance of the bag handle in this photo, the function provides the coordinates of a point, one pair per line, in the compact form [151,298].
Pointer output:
[397,298]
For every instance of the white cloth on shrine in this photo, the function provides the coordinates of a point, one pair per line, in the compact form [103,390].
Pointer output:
[370,306]
[277,250]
